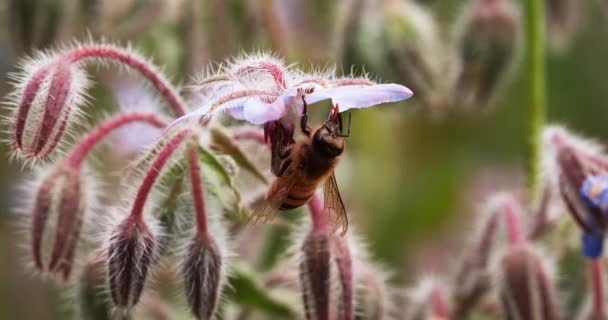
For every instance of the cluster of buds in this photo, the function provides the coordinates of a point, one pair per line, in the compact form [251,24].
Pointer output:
[49,95]
[62,193]
[405,40]
[488,46]
[501,262]
[47,100]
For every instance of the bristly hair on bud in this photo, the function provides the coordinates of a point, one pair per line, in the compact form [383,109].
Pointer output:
[375,297]
[473,276]
[524,279]
[47,98]
[131,251]
[92,299]
[428,300]
[489,43]
[61,196]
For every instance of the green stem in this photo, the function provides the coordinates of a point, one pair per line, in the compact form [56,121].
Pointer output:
[535,51]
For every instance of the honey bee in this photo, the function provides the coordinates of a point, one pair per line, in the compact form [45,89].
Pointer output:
[305,165]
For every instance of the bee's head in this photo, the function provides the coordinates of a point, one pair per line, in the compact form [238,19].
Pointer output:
[329,139]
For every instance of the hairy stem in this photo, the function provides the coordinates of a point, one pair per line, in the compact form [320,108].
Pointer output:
[535,52]
[315,204]
[514,226]
[167,91]
[197,191]
[154,171]
[84,147]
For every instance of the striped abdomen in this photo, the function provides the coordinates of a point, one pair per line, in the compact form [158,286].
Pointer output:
[300,193]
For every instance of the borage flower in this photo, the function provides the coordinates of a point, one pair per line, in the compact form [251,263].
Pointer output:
[261,89]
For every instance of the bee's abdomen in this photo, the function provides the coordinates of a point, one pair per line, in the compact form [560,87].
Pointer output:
[299,194]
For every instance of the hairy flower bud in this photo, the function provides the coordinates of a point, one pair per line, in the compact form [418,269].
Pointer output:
[131,251]
[427,301]
[488,46]
[572,177]
[562,20]
[45,100]
[401,38]
[93,302]
[203,270]
[60,195]
[326,276]
[524,285]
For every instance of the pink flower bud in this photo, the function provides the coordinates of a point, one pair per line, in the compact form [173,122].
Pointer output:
[203,271]
[131,251]
[524,285]
[489,43]
[61,194]
[573,173]
[326,276]
[45,101]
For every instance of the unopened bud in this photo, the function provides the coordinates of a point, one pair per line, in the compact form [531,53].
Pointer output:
[525,287]
[93,302]
[428,301]
[326,276]
[203,271]
[60,194]
[131,251]
[562,19]
[401,39]
[45,100]
[489,44]
[573,175]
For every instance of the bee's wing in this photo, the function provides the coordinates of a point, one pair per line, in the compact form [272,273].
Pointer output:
[267,209]
[334,206]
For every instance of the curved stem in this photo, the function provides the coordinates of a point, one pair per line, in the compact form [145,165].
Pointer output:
[148,70]
[597,283]
[315,204]
[197,191]
[535,51]
[514,226]
[84,147]
[154,171]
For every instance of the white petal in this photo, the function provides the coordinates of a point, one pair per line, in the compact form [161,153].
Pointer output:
[360,96]
[259,112]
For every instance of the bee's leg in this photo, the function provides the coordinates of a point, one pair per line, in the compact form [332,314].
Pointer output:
[284,166]
[275,159]
[348,133]
[304,120]
[285,153]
